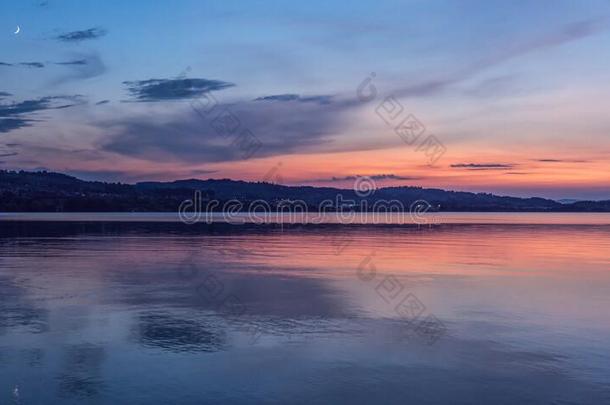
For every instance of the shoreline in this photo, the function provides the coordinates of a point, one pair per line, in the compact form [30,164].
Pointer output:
[331,218]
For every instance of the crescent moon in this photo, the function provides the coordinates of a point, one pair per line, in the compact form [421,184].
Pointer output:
[18,30]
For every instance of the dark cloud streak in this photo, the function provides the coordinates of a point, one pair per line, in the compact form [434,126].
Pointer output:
[77,36]
[483,166]
[320,99]
[560,161]
[74,62]
[38,65]
[152,90]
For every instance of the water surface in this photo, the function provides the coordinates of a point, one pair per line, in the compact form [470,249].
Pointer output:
[316,218]
[147,313]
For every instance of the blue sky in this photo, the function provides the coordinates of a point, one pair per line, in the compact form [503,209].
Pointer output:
[516,91]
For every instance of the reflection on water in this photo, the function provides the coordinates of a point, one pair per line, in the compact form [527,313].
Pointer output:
[81,371]
[166,313]
[22,313]
[168,332]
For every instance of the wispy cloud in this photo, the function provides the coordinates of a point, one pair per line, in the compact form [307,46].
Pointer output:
[73,62]
[18,115]
[563,35]
[560,161]
[377,177]
[172,89]
[26,64]
[82,35]
[283,122]
[505,85]
[83,66]
[321,99]
[483,166]
[8,150]
[38,65]
[184,135]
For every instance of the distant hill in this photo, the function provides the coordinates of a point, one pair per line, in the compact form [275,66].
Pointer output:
[55,192]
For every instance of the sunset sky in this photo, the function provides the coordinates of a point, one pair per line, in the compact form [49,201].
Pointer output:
[517,96]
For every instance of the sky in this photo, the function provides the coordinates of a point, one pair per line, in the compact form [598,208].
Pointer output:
[507,97]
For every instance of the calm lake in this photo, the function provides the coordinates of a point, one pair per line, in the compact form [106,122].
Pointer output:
[129,310]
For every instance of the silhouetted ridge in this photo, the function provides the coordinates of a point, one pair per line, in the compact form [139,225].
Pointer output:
[22,191]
